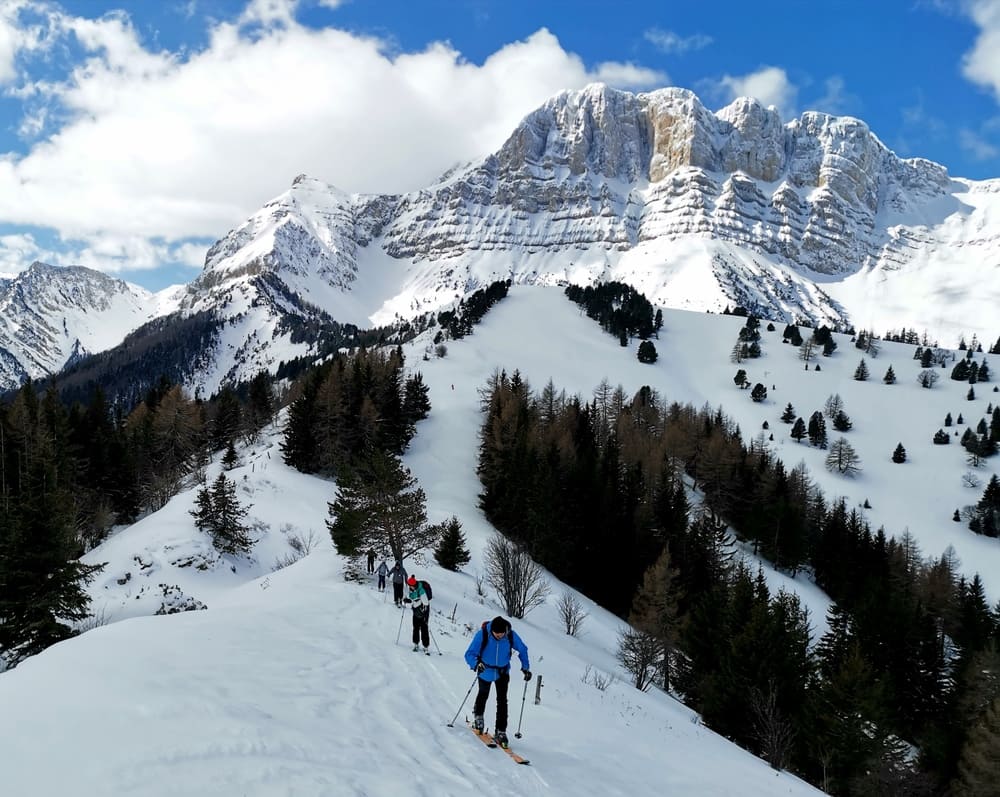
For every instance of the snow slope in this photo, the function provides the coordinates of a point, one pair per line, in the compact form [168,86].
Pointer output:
[293,682]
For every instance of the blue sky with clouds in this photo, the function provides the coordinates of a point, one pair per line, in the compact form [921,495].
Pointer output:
[136,133]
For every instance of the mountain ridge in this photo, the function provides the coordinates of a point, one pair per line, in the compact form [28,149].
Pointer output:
[812,220]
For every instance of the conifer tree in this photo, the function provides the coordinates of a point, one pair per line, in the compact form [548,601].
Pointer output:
[947,419]
[861,372]
[230,459]
[817,430]
[41,578]
[451,552]
[788,416]
[890,376]
[843,458]
[798,430]
[380,506]
[899,455]
[647,352]
[979,767]
[759,392]
[654,612]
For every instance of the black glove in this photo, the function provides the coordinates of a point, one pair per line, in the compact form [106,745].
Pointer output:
[480,667]
[407,600]
[527,675]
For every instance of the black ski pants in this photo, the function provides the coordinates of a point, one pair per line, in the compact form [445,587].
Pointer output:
[421,631]
[484,692]
[397,591]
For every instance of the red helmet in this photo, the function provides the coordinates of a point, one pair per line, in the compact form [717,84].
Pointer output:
[412,581]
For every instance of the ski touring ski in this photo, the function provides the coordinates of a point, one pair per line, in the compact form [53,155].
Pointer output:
[517,759]
[484,737]
[487,738]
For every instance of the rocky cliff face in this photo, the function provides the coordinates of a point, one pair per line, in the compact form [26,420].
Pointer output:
[811,219]
[600,183]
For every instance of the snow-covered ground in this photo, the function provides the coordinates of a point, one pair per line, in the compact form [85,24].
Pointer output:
[293,682]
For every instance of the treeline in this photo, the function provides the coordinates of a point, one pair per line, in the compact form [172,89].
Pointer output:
[68,474]
[619,308]
[594,491]
[470,310]
[350,406]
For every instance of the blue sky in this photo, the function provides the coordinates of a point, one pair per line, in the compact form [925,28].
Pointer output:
[135,134]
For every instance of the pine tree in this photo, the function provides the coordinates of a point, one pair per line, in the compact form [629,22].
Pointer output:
[841,422]
[798,430]
[861,372]
[230,459]
[788,416]
[229,532]
[899,455]
[947,419]
[451,552]
[380,506]
[41,578]
[759,392]
[647,352]
[979,766]
[817,430]
[971,395]
[890,376]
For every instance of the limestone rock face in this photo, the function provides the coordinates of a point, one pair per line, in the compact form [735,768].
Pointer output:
[599,184]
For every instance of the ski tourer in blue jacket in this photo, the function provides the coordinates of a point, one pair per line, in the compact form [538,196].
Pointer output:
[496,653]
[489,655]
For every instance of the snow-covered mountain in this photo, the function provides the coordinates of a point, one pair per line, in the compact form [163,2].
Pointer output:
[50,316]
[814,218]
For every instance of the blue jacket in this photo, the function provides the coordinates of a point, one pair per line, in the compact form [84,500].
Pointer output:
[496,654]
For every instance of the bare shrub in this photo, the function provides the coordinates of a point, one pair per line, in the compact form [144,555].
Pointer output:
[301,544]
[516,579]
[599,680]
[640,653]
[773,730]
[94,620]
[571,612]
[970,479]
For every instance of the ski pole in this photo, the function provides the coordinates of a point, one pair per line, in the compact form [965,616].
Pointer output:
[402,611]
[434,638]
[452,723]
[523,695]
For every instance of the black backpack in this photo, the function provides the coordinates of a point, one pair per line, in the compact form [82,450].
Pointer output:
[486,636]
[427,589]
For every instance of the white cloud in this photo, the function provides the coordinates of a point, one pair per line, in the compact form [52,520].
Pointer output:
[630,76]
[163,146]
[976,146]
[981,64]
[672,43]
[836,100]
[770,85]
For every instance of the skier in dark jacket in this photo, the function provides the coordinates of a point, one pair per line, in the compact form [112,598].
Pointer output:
[398,573]
[491,660]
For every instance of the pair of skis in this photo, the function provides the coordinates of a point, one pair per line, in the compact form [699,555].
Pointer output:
[489,741]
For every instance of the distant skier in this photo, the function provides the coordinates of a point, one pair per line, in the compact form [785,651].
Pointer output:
[489,654]
[371,560]
[421,605]
[382,572]
[398,573]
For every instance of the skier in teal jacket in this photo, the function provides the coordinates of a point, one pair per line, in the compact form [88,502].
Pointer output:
[489,655]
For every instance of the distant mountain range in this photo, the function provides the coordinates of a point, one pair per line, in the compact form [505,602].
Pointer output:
[814,220]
